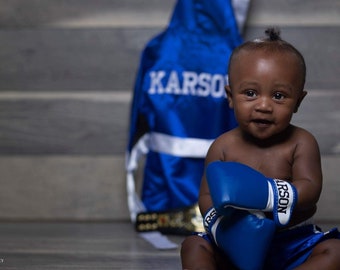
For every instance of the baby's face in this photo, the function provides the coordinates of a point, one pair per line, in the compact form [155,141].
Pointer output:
[265,91]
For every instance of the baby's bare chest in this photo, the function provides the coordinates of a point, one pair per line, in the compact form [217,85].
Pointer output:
[273,162]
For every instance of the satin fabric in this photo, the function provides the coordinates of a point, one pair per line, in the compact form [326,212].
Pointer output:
[179,92]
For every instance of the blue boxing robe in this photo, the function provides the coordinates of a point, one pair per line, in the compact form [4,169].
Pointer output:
[179,104]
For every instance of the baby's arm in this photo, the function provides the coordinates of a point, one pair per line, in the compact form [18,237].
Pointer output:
[306,171]
[214,154]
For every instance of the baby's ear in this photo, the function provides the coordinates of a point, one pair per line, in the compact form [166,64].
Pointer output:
[229,96]
[301,97]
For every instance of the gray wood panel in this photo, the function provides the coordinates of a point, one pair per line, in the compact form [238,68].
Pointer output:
[37,13]
[328,205]
[63,134]
[94,188]
[79,246]
[294,12]
[70,59]
[319,113]
[63,126]
[88,13]
[108,59]
[52,246]
[63,188]
[92,126]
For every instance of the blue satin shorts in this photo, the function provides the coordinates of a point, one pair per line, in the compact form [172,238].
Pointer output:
[291,247]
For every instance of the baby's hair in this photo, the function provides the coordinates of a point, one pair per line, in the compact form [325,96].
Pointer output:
[271,43]
[273,33]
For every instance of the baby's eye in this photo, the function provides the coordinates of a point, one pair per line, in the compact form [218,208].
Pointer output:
[250,93]
[278,96]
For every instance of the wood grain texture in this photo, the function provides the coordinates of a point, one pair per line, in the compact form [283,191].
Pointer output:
[107,59]
[98,124]
[65,66]
[94,188]
[80,246]
[63,126]
[63,188]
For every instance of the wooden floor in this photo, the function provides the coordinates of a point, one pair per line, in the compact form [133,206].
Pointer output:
[83,246]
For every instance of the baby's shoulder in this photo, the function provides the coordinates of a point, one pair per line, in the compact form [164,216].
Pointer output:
[300,133]
[303,140]
[228,137]
[227,140]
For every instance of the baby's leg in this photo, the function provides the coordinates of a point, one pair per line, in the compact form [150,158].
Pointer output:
[198,254]
[325,256]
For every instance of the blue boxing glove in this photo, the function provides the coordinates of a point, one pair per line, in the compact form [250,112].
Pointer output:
[243,237]
[236,185]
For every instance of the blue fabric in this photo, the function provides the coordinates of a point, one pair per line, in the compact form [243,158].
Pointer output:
[171,181]
[179,91]
[290,248]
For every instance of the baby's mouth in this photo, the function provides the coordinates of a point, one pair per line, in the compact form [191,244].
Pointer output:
[264,122]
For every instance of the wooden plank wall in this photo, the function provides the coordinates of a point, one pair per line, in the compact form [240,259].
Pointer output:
[67,69]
